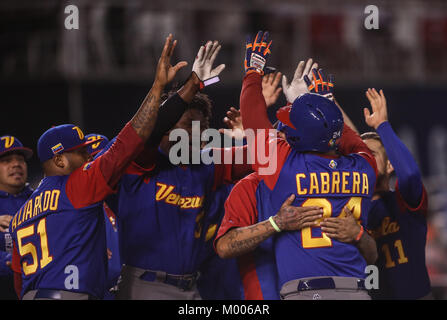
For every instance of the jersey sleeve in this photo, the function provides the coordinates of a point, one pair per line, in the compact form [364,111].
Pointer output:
[407,171]
[97,179]
[421,207]
[15,262]
[350,142]
[240,207]
[267,152]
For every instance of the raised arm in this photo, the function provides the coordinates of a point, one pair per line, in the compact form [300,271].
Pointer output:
[93,182]
[252,102]
[173,108]
[409,177]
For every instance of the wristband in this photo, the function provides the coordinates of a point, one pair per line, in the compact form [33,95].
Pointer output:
[357,239]
[274,225]
[208,82]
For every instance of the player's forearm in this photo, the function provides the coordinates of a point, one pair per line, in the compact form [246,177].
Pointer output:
[406,168]
[239,241]
[368,248]
[190,88]
[172,109]
[144,120]
[252,104]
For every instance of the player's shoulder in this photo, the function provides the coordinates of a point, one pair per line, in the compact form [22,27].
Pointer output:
[253,179]
[246,186]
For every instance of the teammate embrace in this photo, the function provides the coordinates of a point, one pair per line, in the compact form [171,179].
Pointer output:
[301,232]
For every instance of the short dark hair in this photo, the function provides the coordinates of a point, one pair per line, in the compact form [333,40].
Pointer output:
[201,102]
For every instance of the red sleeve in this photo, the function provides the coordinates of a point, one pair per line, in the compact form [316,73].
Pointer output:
[404,206]
[15,262]
[267,152]
[15,266]
[230,165]
[240,207]
[350,142]
[146,159]
[252,104]
[95,180]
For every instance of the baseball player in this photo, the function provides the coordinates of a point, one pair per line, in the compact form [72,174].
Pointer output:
[161,207]
[59,233]
[246,198]
[14,191]
[398,218]
[219,278]
[114,261]
[309,174]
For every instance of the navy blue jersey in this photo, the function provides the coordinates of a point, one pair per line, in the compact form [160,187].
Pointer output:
[9,204]
[400,232]
[219,278]
[398,222]
[55,239]
[161,213]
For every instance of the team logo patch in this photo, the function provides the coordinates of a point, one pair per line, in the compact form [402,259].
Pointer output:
[57,148]
[332,164]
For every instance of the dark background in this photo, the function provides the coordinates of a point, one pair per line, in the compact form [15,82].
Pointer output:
[97,76]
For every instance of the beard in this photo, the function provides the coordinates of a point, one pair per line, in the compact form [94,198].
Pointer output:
[382,182]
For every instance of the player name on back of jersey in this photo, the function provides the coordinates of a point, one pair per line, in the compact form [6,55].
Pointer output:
[337,182]
[45,202]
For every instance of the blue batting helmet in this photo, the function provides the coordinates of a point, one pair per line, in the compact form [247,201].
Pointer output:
[311,123]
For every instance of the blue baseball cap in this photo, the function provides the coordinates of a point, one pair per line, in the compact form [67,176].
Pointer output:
[59,139]
[100,142]
[10,144]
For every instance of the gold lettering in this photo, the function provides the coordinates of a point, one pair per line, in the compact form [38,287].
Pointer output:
[46,200]
[365,183]
[172,198]
[161,194]
[14,222]
[298,184]
[37,205]
[54,202]
[29,210]
[355,182]
[324,176]
[345,182]
[313,183]
[335,182]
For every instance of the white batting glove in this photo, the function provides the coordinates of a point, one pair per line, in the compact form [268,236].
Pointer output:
[204,61]
[298,86]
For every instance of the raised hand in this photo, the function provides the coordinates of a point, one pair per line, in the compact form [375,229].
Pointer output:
[296,218]
[256,53]
[233,120]
[205,59]
[298,86]
[379,110]
[320,83]
[165,71]
[270,90]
